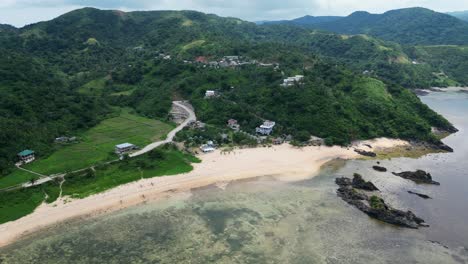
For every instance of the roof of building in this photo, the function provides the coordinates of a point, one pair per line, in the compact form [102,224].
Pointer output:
[25,152]
[268,124]
[124,145]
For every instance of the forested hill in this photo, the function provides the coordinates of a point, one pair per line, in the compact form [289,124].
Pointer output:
[407,26]
[45,66]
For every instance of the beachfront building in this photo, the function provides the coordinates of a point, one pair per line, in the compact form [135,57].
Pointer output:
[210,93]
[26,156]
[266,128]
[124,148]
[208,147]
[290,81]
[233,124]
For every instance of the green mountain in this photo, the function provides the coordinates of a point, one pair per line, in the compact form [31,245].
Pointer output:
[50,66]
[407,26]
[463,15]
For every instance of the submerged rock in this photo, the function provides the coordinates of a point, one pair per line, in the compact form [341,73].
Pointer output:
[365,153]
[379,168]
[375,206]
[418,176]
[424,196]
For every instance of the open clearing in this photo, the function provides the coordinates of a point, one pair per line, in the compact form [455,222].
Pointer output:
[96,145]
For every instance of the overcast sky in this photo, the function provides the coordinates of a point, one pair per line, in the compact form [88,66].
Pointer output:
[21,12]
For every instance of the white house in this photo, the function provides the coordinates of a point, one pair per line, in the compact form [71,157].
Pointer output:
[123,148]
[208,147]
[290,81]
[266,128]
[210,93]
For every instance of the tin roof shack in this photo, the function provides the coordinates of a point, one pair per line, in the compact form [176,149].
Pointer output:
[124,148]
[266,128]
[26,156]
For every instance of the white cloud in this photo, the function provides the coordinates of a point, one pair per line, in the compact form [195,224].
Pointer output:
[20,12]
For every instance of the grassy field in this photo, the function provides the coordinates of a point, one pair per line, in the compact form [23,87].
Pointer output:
[93,87]
[165,161]
[95,146]
[15,178]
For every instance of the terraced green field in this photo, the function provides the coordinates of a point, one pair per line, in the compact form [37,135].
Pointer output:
[94,146]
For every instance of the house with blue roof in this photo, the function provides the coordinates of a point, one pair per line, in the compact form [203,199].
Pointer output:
[26,156]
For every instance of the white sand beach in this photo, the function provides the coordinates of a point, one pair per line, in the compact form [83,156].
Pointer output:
[284,162]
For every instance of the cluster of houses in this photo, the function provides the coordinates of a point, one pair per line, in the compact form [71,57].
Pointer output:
[229,61]
[290,81]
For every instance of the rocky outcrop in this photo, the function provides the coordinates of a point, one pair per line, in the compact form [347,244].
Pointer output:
[418,176]
[424,196]
[359,183]
[376,207]
[379,168]
[365,153]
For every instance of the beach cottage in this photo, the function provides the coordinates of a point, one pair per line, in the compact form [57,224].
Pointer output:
[208,147]
[26,156]
[266,128]
[124,148]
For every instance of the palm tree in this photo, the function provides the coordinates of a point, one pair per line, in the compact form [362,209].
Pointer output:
[32,181]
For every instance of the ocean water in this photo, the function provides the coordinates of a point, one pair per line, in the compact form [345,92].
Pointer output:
[264,220]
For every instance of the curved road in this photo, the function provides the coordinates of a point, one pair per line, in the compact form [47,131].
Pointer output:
[171,135]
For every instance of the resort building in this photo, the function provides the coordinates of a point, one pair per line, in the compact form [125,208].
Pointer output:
[266,128]
[290,81]
[208,147]
[26,156]
[124,148]
[232,123]
[210,93]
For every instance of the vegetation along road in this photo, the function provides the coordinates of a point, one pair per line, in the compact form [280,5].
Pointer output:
[170,137]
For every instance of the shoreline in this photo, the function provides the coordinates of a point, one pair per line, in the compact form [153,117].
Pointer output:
[284,162]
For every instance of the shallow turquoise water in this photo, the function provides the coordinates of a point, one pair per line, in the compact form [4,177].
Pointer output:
[266,221]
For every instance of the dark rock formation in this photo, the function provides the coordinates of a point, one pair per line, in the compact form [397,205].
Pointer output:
[359,183]
[418,176]
[444,147]
[424,196]
[376,207]
[379,168]
[365,153]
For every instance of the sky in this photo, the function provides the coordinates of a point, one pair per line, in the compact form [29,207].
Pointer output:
[22,12]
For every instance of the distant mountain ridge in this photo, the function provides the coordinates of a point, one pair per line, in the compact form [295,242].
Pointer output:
[305,20]
[463,15]
[416,26]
